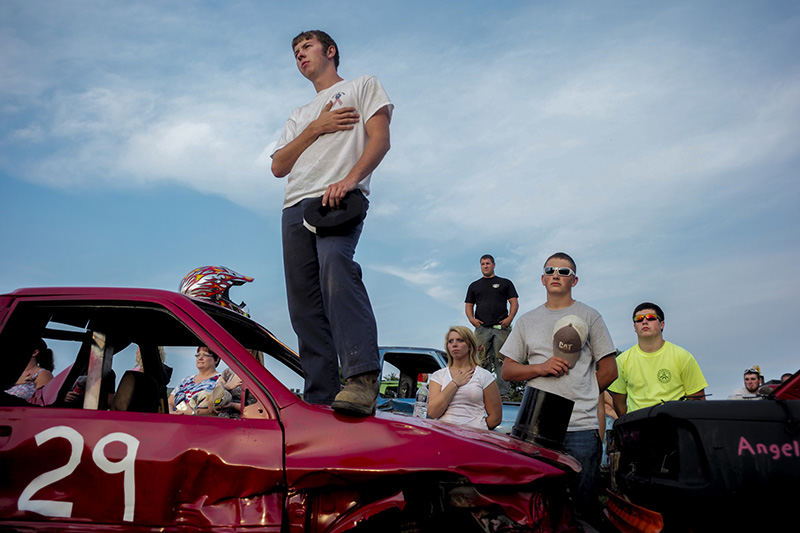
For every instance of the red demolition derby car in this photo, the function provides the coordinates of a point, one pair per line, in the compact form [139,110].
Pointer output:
[97,448]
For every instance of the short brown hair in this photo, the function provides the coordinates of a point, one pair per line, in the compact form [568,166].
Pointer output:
[326,40]
[565,257]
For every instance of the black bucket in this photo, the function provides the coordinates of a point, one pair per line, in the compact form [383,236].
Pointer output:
[543,418]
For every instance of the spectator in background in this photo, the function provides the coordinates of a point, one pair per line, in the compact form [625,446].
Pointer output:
[497,304]
[751,385]
[786,376]
[464,393]
[37,373]
[654,370]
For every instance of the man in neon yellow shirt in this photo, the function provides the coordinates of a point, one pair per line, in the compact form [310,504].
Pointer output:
[654,370]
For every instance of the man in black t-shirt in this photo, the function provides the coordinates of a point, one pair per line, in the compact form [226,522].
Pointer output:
[497,303]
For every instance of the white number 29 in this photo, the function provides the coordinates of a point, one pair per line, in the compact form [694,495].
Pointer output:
[64,509]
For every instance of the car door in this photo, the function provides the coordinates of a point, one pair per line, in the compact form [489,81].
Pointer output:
[87,465]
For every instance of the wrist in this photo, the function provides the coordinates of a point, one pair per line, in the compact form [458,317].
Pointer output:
[351,182]
[315,131]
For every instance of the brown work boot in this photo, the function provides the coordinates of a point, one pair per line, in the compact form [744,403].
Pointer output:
[359,395]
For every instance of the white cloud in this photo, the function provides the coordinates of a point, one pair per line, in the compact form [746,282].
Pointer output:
[21,71]
[32,133]
[558,129]
[594,96]
[432,281]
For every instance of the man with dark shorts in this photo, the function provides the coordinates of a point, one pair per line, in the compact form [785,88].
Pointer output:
[328,149]
[497,303]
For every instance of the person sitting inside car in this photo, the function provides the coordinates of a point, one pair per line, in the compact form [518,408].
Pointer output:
[166,370]
[191,396]
[464,393]
[230,405]
[38,372]
[75,396]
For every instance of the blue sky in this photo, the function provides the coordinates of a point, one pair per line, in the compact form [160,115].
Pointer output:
[657,143]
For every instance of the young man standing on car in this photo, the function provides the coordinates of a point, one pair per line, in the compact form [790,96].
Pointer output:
[329,148]
[529,355]
[497,302]
[654,370]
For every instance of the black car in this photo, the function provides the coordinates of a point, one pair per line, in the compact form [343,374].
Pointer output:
[707,465]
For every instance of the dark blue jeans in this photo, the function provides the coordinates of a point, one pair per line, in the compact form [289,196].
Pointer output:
[328,306]
[585,446]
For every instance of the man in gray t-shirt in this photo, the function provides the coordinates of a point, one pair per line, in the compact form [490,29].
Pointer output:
[528,353]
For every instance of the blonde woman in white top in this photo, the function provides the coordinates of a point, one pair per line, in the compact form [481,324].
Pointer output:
[464,393]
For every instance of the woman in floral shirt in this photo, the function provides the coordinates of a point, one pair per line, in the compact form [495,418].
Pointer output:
[205,380]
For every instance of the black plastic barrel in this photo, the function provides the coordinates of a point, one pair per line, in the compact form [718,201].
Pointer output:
[543,418]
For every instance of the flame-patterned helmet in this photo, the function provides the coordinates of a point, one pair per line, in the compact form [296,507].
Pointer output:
[212,283]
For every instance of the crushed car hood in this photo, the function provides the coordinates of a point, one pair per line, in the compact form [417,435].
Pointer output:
[331,446]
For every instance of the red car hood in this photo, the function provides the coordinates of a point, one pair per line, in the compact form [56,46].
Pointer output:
[323,444]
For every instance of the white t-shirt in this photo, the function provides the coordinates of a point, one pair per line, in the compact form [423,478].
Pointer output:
[531,341]
[742,394]
[466,408]
[332,155]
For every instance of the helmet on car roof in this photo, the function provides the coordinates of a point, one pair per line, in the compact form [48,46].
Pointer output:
[212,283]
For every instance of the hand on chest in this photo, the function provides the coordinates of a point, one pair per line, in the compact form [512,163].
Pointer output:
[341,98]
